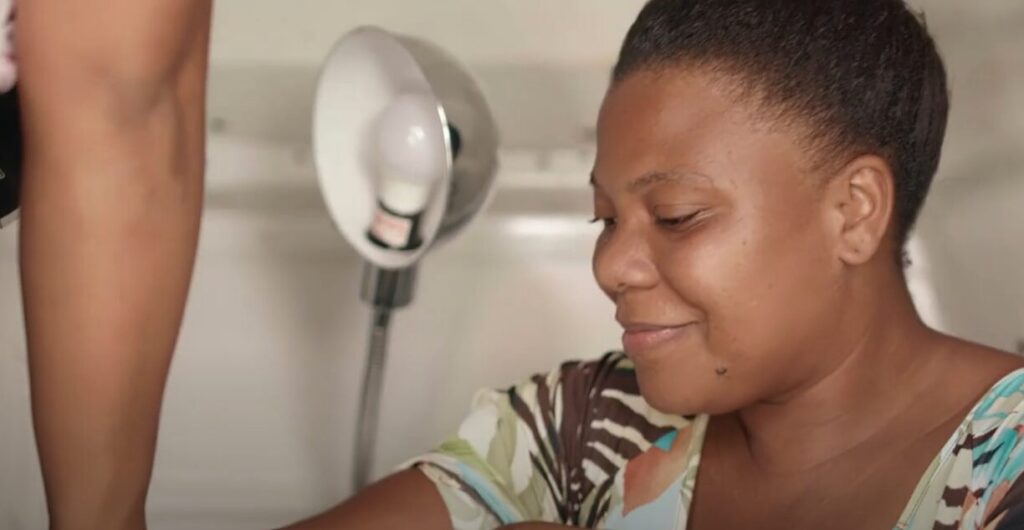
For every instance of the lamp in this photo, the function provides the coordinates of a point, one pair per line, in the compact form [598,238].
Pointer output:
[406,154]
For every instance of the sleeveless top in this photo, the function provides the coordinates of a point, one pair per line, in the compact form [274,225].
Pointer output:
[579,446]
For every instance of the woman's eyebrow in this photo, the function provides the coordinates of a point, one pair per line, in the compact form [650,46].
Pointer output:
[656,177]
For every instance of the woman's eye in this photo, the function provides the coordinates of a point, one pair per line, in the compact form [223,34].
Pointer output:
[606,222]
[677,221]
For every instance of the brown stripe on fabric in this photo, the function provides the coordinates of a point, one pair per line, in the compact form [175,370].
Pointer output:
[954,497]
[547,414]
[553,486]
[602,463]
[972,441]
[575,496]
[616,411]
[620,378]
[576,380]
[583,387]
[559,500]
[526,415]
[580,386]
[625,449]
[560,460]
[986,457]
[602,493]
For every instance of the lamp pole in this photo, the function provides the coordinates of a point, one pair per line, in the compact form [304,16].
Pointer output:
[385,290]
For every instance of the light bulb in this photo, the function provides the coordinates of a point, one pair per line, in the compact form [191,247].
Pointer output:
[411,152]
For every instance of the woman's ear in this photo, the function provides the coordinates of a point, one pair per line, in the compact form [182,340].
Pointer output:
[861,196]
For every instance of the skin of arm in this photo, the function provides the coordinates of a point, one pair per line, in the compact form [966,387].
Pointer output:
[535,526]
[407,499]
[404,500]
[112,95]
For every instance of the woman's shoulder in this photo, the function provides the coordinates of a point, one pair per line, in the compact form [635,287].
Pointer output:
[997,416]
[980,377]
[975,481]
[984,461]
[1001,408]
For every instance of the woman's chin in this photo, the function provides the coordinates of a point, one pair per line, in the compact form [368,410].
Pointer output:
[684,393]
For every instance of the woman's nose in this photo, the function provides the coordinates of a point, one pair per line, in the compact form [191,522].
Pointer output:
[624,261]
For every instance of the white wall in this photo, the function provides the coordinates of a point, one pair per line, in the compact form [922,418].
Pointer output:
[969,258]
[261,403]
[542,64]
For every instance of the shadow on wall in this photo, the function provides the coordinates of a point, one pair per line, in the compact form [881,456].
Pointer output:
[970,250]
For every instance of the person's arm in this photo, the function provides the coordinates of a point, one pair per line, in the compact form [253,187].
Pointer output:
[506,464]
[537,526]
[407,499]
[112,95]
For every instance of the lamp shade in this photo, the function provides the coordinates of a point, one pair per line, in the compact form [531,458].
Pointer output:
[403,140]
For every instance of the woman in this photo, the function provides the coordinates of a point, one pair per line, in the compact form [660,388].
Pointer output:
[760,164]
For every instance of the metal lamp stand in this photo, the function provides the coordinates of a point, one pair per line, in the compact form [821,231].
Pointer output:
[385,290]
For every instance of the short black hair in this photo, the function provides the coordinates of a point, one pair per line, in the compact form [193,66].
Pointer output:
[863,76]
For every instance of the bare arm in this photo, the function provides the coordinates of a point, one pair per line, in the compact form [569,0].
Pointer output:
[536,526]
[404,500]
[112,99]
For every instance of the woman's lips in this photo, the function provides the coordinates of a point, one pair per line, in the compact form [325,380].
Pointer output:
[641,339]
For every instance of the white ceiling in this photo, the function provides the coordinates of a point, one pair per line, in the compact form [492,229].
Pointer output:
[543,65]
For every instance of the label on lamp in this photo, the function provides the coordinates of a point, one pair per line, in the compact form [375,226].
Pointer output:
[393,230]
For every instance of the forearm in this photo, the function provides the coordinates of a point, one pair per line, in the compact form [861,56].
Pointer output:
[536,526]
[110,214]
[106,251]
[404,500]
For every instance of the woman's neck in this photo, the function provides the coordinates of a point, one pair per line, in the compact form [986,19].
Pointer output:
[876,364]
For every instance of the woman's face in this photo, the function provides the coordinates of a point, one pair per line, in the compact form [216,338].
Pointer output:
[715,249]
[8,68]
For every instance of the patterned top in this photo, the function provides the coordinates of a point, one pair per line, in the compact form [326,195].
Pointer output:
[579,446]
